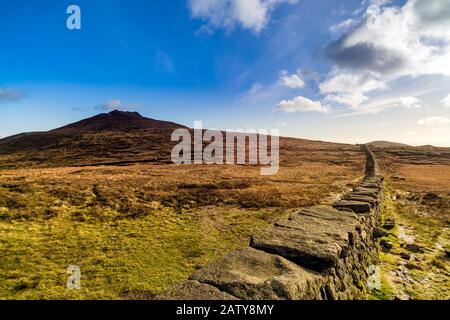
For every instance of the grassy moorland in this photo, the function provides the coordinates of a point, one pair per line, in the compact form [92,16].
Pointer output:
[135,230]
[418,200]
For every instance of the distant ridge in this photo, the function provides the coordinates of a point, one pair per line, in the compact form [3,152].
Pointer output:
[386,144]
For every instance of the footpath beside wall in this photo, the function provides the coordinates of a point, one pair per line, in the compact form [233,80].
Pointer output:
[317,253]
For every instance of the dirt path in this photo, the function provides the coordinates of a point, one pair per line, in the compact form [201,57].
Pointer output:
[414,255]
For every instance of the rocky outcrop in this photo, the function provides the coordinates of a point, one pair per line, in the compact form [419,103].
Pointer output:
[317,253]
[248,273]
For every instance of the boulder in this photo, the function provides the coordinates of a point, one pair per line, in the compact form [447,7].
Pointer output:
[431,196]
[389,224]
[379,233]
[386,244]
[248,273]
[405,256]
[412,247]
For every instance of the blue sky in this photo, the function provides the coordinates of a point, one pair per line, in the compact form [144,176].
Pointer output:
[315,69]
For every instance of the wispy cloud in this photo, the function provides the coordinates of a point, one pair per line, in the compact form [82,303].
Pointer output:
[343,26]
[433,121]
[375,106]
[164,63]
[255,88]
[283,124]
[227,14]
[11,95]
[116,104]
[446,101]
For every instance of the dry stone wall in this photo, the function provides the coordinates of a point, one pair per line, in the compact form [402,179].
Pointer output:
[317,253]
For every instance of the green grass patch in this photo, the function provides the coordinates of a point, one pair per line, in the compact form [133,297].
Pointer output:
[144,255]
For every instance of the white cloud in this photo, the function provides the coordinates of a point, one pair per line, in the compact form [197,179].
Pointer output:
[302,104]
[389,43]
[411,40]
[348,99]
[408,102]
[116,104]
[446,101]
[410,133]
[351,83]
[249,14]
[293,81]
[433,121]
[349,89]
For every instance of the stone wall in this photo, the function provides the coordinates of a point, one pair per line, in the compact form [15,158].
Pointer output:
[372,167]
[317,253]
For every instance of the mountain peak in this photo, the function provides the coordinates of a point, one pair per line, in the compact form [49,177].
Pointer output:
[116,137]
[117,120]
[124,113]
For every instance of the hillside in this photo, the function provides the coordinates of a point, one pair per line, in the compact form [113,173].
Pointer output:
[113,137]
[121,138]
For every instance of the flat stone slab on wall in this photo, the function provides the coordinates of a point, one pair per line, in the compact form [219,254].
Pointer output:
[315,238]
[355,206]
[368,193]
[362,198]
